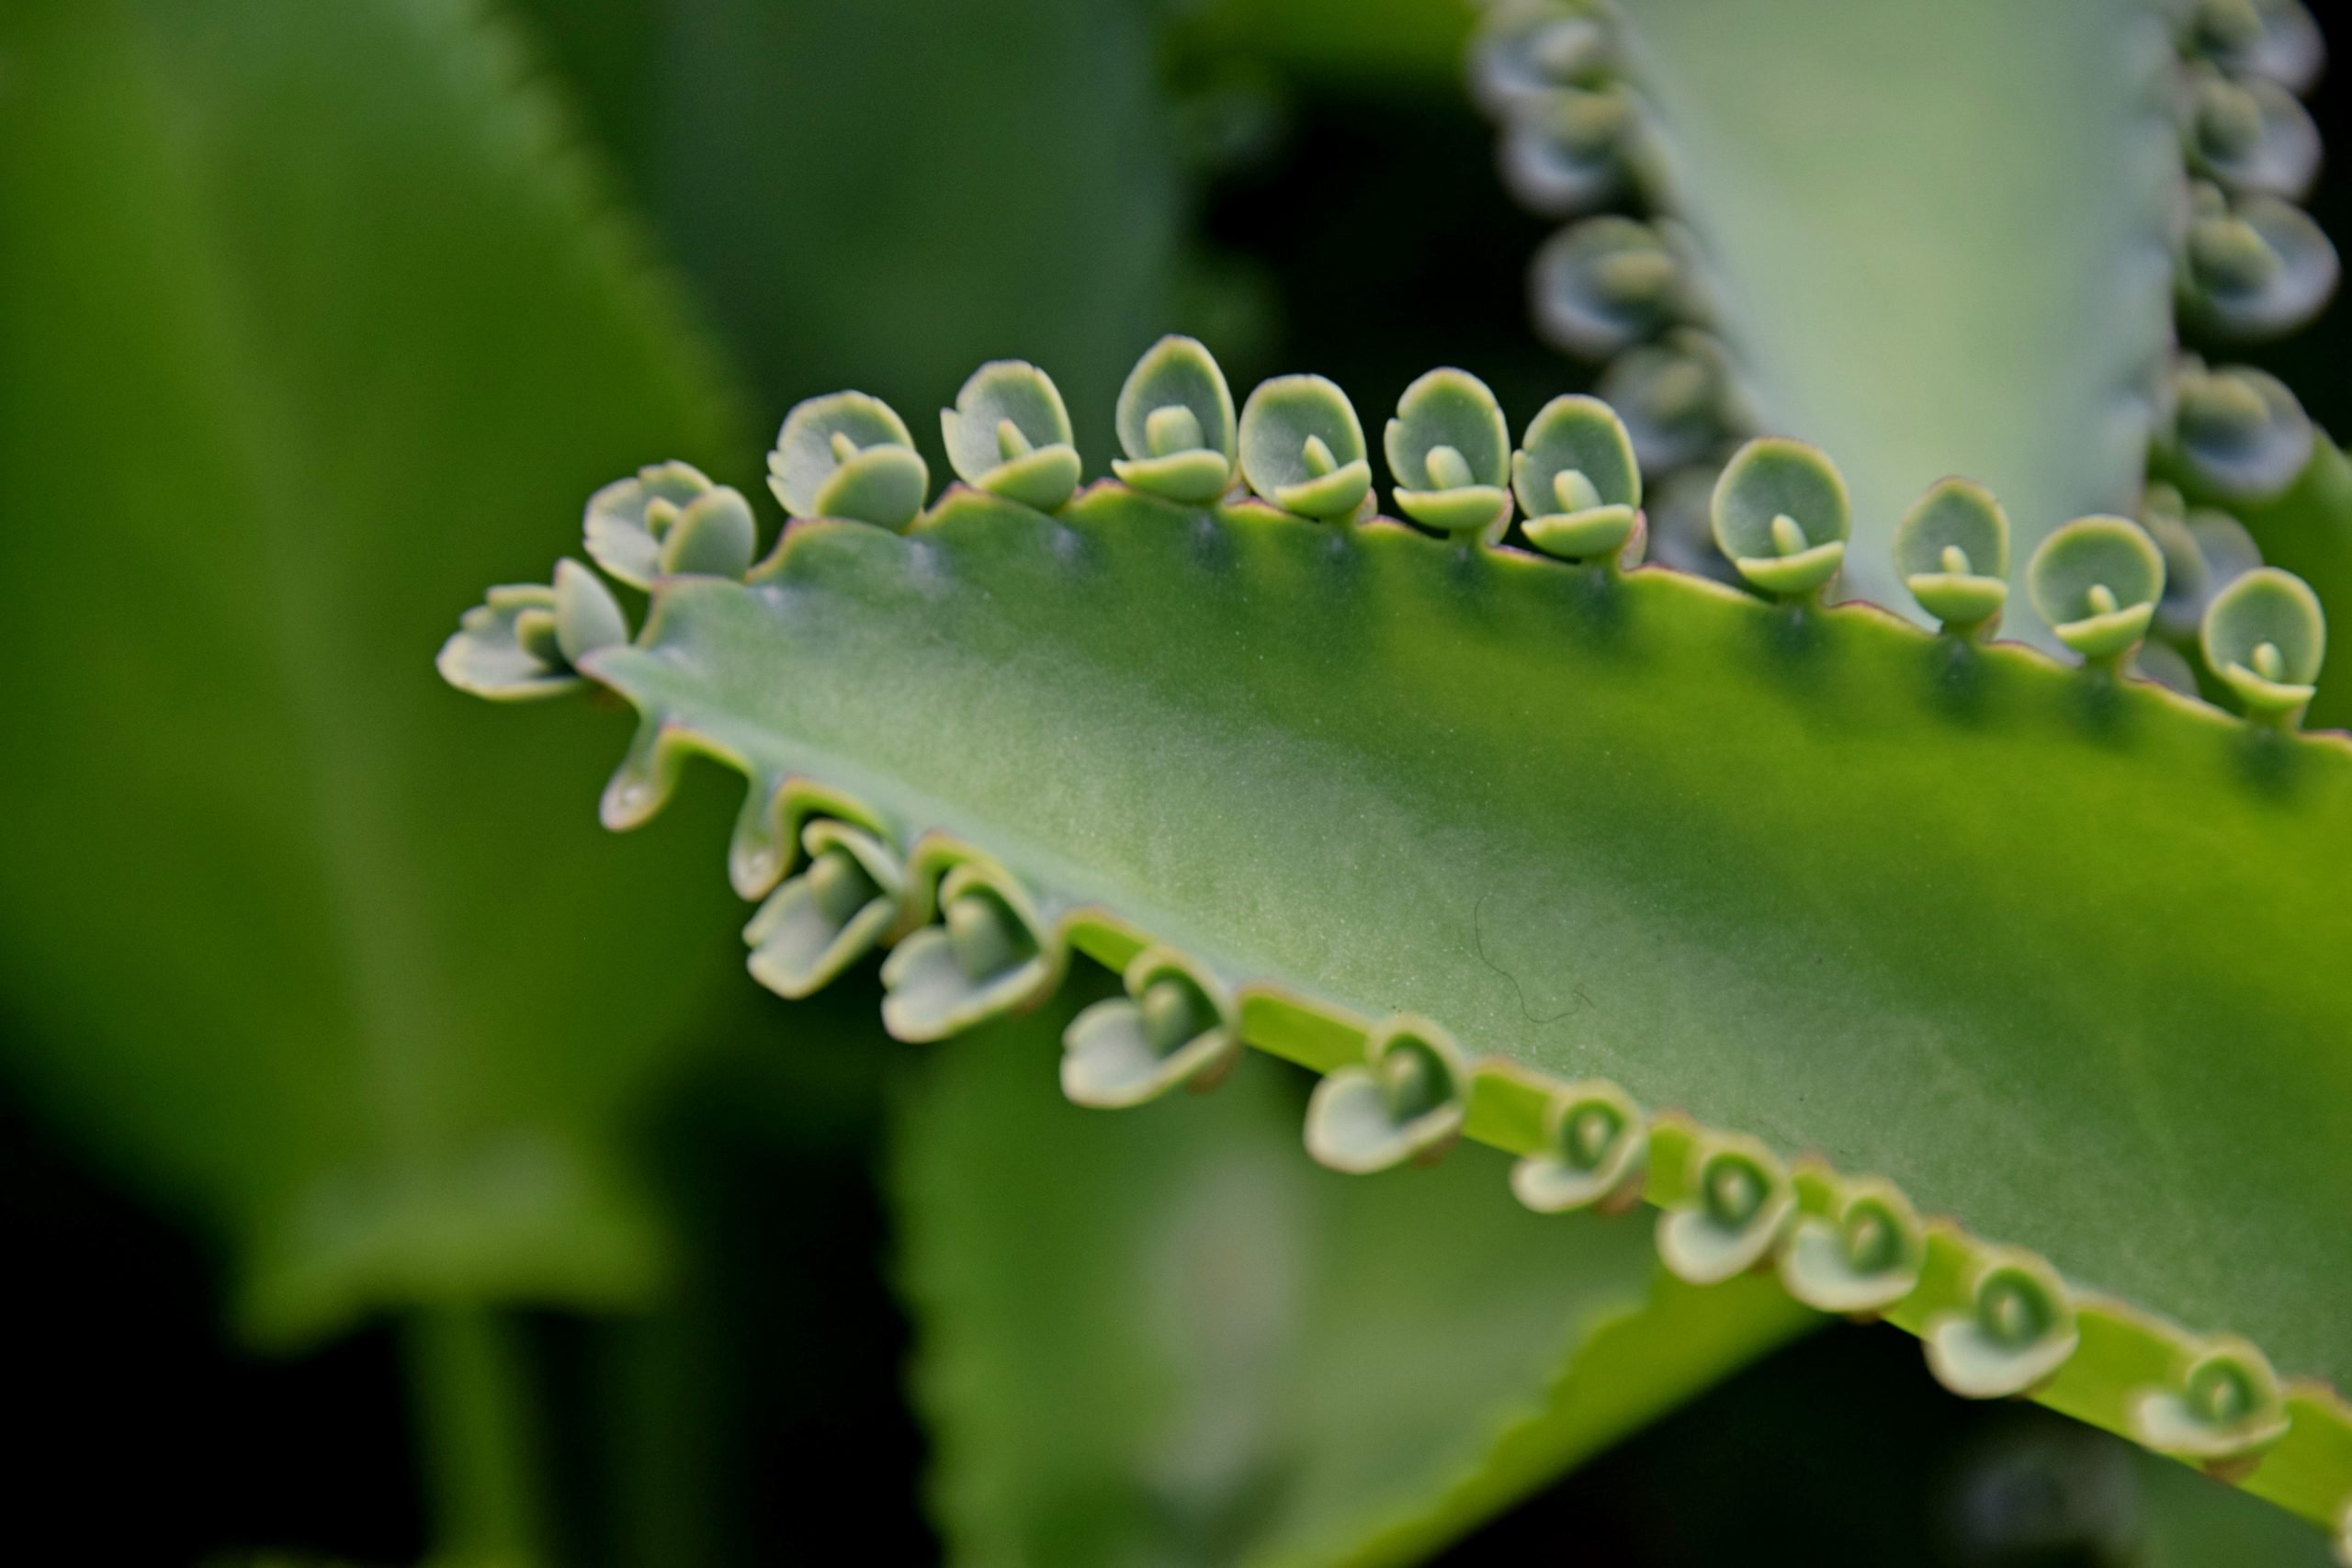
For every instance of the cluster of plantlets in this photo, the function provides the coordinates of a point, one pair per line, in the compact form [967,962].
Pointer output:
[2206,147]
[1515,843]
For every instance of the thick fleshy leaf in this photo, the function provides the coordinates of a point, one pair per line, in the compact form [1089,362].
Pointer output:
[312,311]
[1244,1359]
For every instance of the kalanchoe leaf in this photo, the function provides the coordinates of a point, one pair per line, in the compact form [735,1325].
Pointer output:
[1528,50]
[587,617]
[1302,447]
[2020,1329]
[2264,636]
[1009,435]
[1952,551]
[1740,1201]
[835,911]
[1780,513]
[1577,479]
[1605,285]
[2250,134]
[1449,452]
[1675,396]
[2238,431]
[1565,155]
[1596,1150]
[2205,551]
[986,957]
[2225,1405]
[2253,268]
[627,520]
[715,536]
[2275,39]
[505,648]
[1174,1026]
[848,455]
[2095,582]
[1863,1258]
[1175,423]
[1406,1101]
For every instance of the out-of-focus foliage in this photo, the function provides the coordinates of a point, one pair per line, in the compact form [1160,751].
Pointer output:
[312,324]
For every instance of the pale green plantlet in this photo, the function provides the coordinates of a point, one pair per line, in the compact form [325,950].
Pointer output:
[1174,1027]
[1302,448]
[2254,268]
[506,649]
[2273,39]
[1594,1154]
[1863,1252]
[627,520]
[2096,582]
[2225,1405]
[848,455]
[714,535]
[1449,452]
[1407,1102]
[2205,550]
[1009,435]
[2250,134]
[1567,152]
[1739,1202]
[1780,513]
[1175,422]
[1578,481]
[2238,431]
[1952,551]
[2019,1330]
[835,911]
[983,958]
[1607,284]
[1675,396]
[2264,636]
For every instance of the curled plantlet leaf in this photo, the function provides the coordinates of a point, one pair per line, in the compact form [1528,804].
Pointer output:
[833,913]
[1740,1202]
[1009,435]
[1174,1026]
[2227,1406]
[1674,395]
[1862,1259]
[1527,51]
[1565,155]
[521,642]
[2249,134]
[1407,1102]
[848,455]
[1952,549]
[715,536]
[2275,39]
[986,957]
[1780,513]
[2095,582]
[1605,285]
[2019,1329]
[2264,636]
[2253,268]
[1302,448]
[1175,423]
[2239,431]
[1595,1152]
[1576,477]
[1449,452]
[627,520]
[2204,551]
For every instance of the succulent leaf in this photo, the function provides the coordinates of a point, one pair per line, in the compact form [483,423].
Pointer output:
[1595,1152]
[1864,1254]
[1607,284]
[2254,268]
[1302,447]
[2225,1404]
[2095,582]
[1575,476]
[848,455]
[627,520]
[2018,1330]
[1009,435]
[1739,1200]
[1176,1025]
[506,649]
[2238,431]
[715,536]
[986,957]
[2250,134]
[1952,549]
[838,910]
[1405,1102]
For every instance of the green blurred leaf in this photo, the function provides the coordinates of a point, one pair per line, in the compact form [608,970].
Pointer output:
[316,325]
[1164,1336]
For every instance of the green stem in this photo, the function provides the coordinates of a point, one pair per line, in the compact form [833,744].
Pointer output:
[475,1431]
